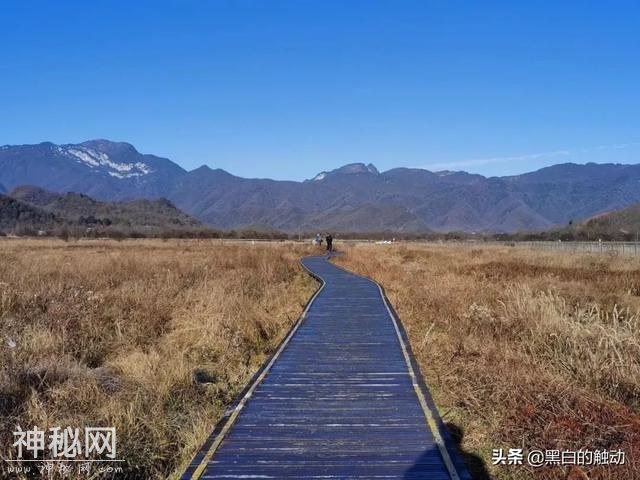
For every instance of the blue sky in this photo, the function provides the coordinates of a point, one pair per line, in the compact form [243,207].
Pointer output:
[284,89]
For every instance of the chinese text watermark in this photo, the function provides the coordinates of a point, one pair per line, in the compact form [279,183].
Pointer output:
[540,458]
[67,451]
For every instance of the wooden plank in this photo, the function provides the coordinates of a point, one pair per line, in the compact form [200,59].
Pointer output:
[342,398]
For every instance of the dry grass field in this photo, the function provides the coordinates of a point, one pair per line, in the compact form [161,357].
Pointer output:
[522,349]
[105,333]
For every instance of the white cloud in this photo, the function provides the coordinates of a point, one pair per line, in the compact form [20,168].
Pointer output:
[476,162]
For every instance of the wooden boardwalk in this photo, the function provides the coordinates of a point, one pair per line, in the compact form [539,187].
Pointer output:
[340,399]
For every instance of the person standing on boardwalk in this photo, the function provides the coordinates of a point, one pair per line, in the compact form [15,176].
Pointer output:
[329,240]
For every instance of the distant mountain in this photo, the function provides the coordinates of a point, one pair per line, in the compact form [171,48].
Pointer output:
[14,213]
[353,198]
[352,168]
[367,218]
[100,168]
[76,207]
[621,224]
[29,209]
[615,225]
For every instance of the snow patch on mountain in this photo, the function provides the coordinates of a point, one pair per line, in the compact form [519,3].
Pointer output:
[100,160]
[349,169]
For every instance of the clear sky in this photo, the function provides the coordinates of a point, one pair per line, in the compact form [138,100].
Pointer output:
[284,89]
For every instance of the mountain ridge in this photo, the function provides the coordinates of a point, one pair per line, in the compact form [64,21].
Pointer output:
[27,207]
[354,197]
[78,207]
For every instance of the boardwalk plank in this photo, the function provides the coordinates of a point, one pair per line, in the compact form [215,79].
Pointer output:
[340,401]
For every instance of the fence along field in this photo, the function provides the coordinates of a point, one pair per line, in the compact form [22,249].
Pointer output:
[584,247]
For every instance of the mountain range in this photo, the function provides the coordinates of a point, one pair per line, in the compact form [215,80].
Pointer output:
[353,198]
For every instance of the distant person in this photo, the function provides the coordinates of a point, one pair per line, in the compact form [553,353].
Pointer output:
[329,239]
[318,240]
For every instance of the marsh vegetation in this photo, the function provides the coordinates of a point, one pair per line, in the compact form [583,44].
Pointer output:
[154,338]
[521,348]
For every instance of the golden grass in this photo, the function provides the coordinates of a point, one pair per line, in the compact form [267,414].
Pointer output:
[522,349]
[112,333]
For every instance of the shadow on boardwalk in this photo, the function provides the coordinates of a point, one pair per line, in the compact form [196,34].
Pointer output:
[474,463]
